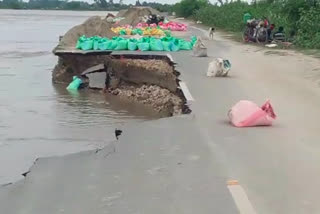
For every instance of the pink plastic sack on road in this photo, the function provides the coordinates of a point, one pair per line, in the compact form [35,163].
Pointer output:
[246,114]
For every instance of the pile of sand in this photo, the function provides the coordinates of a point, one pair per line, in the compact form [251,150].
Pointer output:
[94,26]
[134,15]
[121,13]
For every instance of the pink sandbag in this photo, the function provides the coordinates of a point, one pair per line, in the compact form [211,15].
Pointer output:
[142,25]
[246,113]
[174,26]
[153,25]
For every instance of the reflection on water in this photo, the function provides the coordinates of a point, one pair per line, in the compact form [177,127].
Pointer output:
[41,119]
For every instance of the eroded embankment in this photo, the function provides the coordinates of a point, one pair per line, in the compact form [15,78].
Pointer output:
[148,79]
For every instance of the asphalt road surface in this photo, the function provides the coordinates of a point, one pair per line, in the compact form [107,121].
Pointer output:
[183,164]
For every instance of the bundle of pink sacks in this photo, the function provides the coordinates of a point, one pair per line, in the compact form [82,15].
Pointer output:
[173,26]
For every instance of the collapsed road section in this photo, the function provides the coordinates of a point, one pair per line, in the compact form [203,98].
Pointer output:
[148,79]
[143,78]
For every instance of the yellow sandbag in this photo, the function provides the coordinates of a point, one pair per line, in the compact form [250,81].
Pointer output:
[128,31]
[146,33]
[116,30]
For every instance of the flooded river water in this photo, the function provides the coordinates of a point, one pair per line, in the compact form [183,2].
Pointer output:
[37,118]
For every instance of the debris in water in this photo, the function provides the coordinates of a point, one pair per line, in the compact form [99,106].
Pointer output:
[117,132]
[75,84]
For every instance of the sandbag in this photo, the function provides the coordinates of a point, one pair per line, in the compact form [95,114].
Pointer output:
[167,33]
[246,114]
[175,46]
[87,45]
[156,45]
[199,49]
[122,32]
[193,40]
[144,46]
[132,45]
[95,45]
[102,44]
[122,45]
[96,40]
[166,46]
[185,45]
[75,84]
[80,41]
[111,44]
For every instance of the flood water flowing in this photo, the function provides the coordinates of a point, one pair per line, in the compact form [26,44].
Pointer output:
[38,118]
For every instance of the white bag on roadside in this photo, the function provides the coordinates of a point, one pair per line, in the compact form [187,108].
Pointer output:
[199,49]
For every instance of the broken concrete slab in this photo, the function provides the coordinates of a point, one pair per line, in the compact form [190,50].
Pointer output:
[72,50]
[96,68]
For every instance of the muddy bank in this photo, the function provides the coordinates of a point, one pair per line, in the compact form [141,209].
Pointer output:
[150,80]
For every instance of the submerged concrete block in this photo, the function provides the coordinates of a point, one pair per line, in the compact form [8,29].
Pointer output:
[97,80]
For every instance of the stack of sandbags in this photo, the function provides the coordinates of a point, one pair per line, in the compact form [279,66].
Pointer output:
[142,44]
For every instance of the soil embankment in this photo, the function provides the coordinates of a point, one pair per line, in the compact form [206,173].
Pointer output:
[94,26]
[134,15]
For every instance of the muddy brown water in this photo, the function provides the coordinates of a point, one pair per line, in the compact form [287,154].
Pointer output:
[37,118]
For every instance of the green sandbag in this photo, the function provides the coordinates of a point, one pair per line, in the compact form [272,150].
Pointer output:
[95,45]
[111,44]
[167,33]
[139,31]
[193,40]
[75,84]
[122,45]
[134,31]
[144,40]
[167,39]
[144,46]
[156,45]
[103,46]
[96,40]
[123,32]
[175,45]
[166,46]
[132,45]
[87,45]
[185,45]
[80,41]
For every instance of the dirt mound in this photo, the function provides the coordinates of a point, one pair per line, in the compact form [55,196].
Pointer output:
[94,26]
[121,13]
[134,15]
